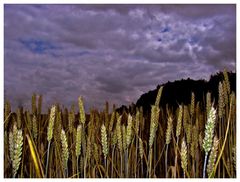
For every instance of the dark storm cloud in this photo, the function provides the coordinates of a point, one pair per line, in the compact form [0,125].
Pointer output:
[111,52]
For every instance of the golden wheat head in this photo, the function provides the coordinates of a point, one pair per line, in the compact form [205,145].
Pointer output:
[104,141]
[81,110]
[51,123]
[209,130]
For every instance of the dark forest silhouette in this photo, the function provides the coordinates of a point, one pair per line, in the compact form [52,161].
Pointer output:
[179,92]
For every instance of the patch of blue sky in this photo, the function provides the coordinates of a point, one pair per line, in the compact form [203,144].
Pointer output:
[166,29]
[38,46]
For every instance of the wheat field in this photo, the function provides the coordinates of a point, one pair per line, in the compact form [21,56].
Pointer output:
[196,140]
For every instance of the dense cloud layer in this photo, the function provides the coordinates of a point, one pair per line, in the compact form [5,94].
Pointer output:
[111,52]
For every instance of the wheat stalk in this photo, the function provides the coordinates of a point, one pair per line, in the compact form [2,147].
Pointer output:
[11,145]
[200,140]
[226,80]
[208,102]
[185,116]
[194,143]
[113,143]
[114,138]
[183,155]
[141,150]
[124,137]
[82,117]
[28,121]
[189,133]
[112,120]
[65,152]
[84,142]
[178,132]
[225,93]
[50,134]
[35,127]
[19,118]
[221,103]
[120,140]
[168,139]
[213,156]
[12,138]
[155,110]
[78,144]
[17,152]
[95,152]
[169,130]
[192,104]
[7,112]
[7,109]
[88,151]
[39,105]
[119,134]
[153,124]
[137,122]
[209,130]
[129,130]
[106,119]
[71,119]
[58,127]
[234,157]
[193,148]
[15,148]
[34,103]
[226,134]
[159,94]
[179,121]
[51,123]
[78,140]
[104,141]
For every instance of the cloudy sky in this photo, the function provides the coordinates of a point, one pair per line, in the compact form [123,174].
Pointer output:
[111,52]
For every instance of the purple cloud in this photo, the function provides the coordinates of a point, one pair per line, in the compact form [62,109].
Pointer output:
[111,52]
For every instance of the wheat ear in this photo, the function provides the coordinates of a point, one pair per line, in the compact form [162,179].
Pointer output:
[82,117]
[209,130]
[159,94]
[213,156]
[208,102]
[221,103]
[65,152]
[129,130]
[179,121]
[226,79]
[184,157]
[104,144]
[192,104]
[50,134]
[153,124]
[168,139]
[178,132]
[15,147]
[78,140]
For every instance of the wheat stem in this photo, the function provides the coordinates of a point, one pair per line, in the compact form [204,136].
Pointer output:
[50,135]
[205,165]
